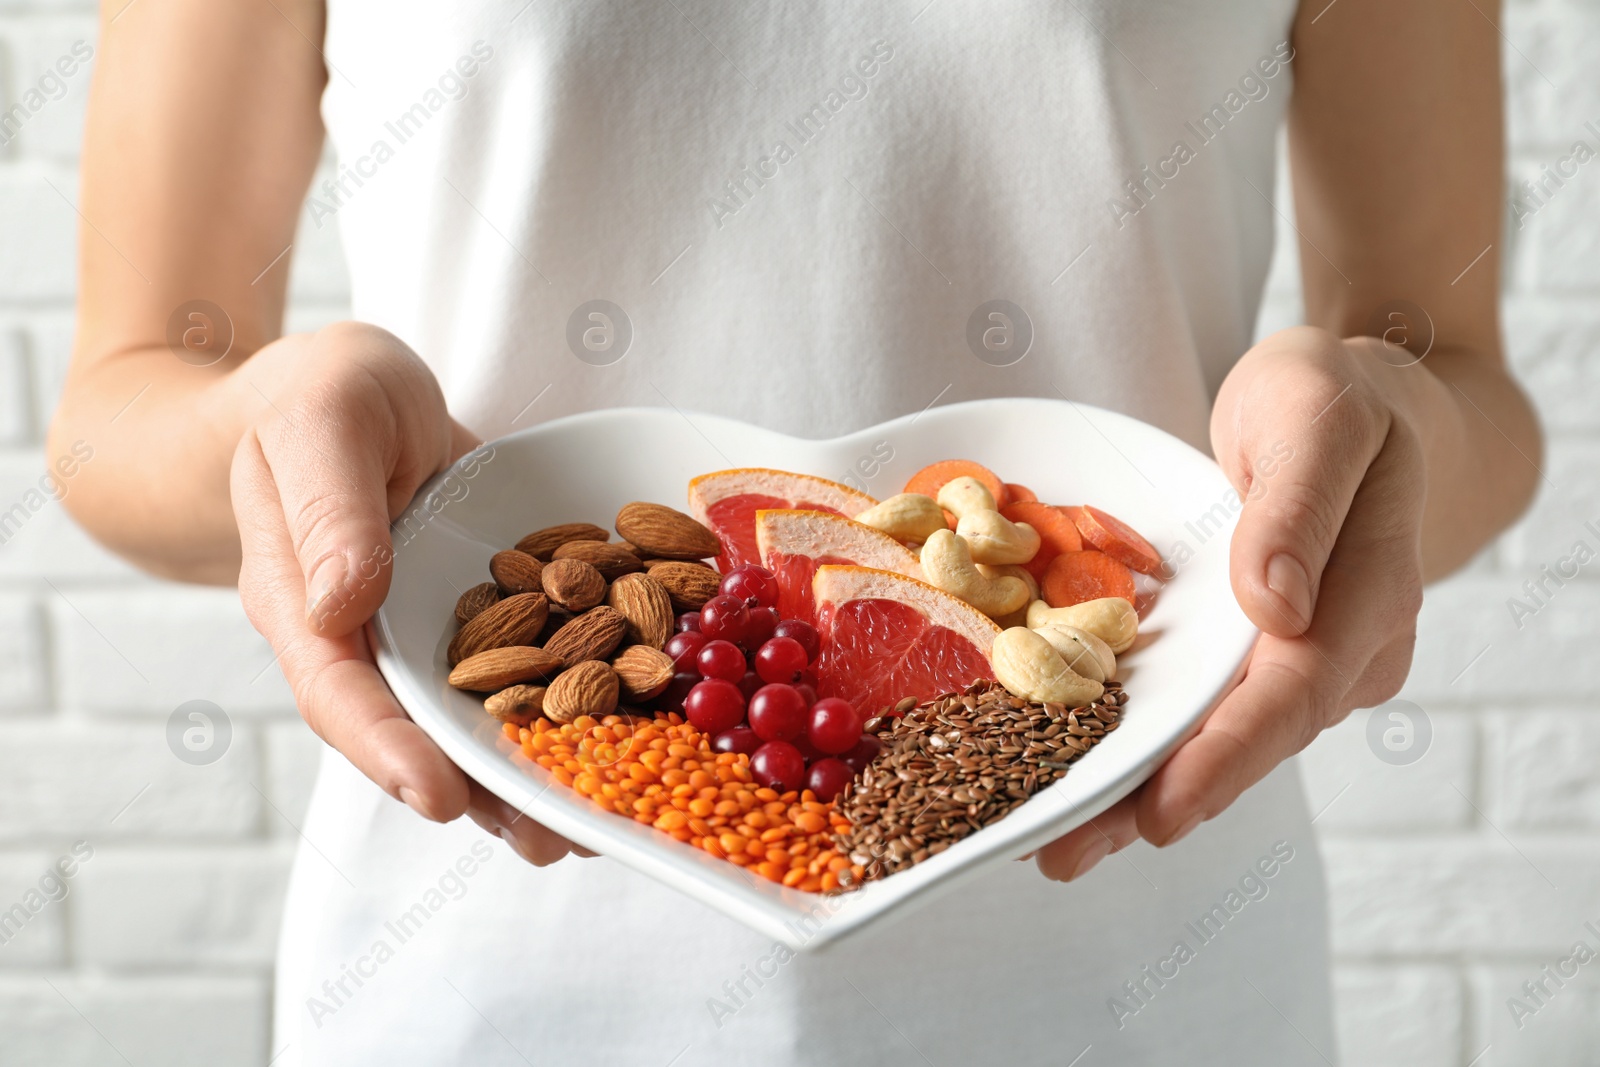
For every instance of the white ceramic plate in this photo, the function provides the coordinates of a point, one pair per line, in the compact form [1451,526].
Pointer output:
[1193,642]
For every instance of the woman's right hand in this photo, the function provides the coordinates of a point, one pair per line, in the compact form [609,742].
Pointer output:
[315,483]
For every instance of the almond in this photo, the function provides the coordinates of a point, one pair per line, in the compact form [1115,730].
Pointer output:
[474,600]
[516,620]
[573,584]
[587,688]
[553,622]
[659,531]
[612,561]
[647,606]
[515,572]
[520,704]
[642,671]
[497,668]
[593,635]
[541,543]
[689,585]
[648,563]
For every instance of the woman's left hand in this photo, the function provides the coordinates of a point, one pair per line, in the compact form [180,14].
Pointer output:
[1326,561]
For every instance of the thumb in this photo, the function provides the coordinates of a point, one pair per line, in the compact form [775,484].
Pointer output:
[332,487]
[1297,479]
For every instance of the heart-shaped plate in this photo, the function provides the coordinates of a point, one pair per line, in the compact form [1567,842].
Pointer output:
[1192,645]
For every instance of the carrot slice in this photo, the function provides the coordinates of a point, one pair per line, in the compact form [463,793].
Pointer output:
[930,479]
[1057,532]
[1020,494]
[1074,577]
[1117,539]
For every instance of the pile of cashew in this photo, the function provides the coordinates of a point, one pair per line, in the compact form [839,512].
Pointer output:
[979,561]
[1049,654]
[947,564]
[1111,619]
[1029,666]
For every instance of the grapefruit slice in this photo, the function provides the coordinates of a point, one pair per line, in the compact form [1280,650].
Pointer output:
[886,637]
[794,543]
[727,502]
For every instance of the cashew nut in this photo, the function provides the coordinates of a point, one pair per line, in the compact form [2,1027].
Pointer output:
[905,517]
[1030,667]
[995,539]
[992,571]
[947,564]
[1111,619]
[1083,651]
[1020,616]
[965,494]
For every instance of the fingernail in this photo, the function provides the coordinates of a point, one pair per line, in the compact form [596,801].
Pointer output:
[1287,578]
[1091,856]
[413,801]
[1184,830]
[325,582]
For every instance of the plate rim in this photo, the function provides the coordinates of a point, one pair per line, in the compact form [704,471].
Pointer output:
[758,906]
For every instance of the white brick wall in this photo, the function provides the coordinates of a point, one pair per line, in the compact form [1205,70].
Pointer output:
[1453,880]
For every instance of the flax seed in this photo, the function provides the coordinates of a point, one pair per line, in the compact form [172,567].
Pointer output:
[957,763]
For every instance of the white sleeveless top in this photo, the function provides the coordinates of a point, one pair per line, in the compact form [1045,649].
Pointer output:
[800,217]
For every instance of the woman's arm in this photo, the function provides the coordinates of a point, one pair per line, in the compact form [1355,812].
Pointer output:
[281,464]
[1408,456]
[1396,147]
[201,138]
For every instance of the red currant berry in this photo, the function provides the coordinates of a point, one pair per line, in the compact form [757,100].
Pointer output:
[811,753]
[720,659]
[834,726]
[724,617]
[781,660]
[684,648]
[763,622]
[750,683]
[808,692]
[828,777]
[778,765]
[689,620]
[739,739]
[865,751]
[714,705]
[777,713]
[751,583]
[803,632]
[672,697]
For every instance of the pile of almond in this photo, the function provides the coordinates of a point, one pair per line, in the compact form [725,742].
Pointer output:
[573,623]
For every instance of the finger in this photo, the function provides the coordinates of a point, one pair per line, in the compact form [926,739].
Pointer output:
[535,843]
[462,441]
[1296,441]
[337,688]
[1076,853]
[347,456]
[332,475]
[1355,653]
[1268,717]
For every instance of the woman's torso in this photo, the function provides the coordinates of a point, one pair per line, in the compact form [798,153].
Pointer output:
[502,166]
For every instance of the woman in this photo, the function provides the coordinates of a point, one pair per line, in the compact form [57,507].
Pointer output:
[797,212]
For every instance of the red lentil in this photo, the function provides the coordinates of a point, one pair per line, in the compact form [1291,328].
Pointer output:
[664,773]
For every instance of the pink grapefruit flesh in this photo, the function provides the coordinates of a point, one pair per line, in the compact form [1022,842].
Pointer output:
[727,502]
[886,637]
[793,543]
